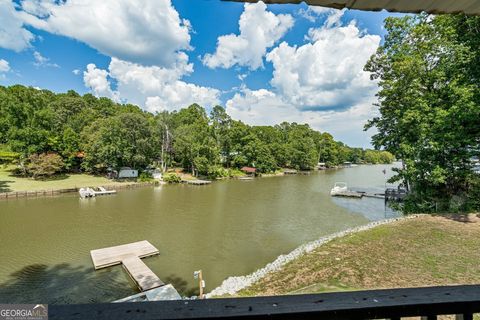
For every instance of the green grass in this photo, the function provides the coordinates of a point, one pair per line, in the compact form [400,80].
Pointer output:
[9,183]
[424,251]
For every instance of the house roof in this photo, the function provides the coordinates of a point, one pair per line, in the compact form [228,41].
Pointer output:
[249,169]
[471,7]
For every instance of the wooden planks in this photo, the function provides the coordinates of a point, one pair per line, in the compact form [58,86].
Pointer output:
[141,274]
[348,194]
[372,304]
[197,182]
[107,257]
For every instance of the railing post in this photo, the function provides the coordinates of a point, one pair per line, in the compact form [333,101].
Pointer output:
[465,316]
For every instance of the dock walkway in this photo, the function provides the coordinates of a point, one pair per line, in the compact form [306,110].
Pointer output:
[129,256]
[141,274]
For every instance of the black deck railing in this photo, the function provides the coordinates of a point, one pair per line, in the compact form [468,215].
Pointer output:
[429,302]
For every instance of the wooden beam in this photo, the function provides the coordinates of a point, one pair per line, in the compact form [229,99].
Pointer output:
[372,304]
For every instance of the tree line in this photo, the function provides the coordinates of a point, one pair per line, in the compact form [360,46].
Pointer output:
[71,132]
[428,70]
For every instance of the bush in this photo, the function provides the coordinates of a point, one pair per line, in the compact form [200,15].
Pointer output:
[145,177]
[8,156]
[215,172]
[171,178]
[44,165]
[234,172]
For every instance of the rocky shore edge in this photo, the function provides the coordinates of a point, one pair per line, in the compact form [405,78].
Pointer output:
[232,285]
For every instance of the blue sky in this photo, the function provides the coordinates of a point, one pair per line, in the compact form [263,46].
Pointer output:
[265,64]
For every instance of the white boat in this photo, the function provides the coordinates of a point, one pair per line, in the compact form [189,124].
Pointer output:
[90,192]
[339,187]
[86,192]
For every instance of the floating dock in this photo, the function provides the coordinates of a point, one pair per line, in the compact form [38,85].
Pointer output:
[348,194]
[129,256]
[197,182]
[358,194]
[91,192]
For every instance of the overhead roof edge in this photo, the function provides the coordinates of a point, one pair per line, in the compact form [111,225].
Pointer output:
[469,7]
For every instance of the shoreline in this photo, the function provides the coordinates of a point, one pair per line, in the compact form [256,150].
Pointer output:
[54,192]
[234,284]
[47,192]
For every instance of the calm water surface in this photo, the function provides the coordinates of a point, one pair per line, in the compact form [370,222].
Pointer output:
[226,228]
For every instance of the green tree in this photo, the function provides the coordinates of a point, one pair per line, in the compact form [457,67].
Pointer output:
[428,71]
[122,140]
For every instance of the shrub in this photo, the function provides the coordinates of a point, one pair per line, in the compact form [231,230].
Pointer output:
[215,172]
[44,165]
[171,178]
[8,156]
[145,177]
[234,172]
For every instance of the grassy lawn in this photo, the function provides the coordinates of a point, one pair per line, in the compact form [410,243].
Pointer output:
[10,183]
[424,251]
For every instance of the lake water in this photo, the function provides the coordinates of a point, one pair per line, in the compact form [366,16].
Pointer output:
[228,228]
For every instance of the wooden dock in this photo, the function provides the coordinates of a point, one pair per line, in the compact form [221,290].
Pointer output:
[111,256]
[197,182]
[359,194]
[348,194]
[141,274]
[129,256]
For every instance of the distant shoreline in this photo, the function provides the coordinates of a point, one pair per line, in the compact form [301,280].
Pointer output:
[95,181]
[53,192]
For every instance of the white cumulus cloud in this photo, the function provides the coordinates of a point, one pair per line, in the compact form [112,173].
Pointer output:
[97,80]
[41,61]
[326,73]
[259,30]
[146,32]
[153,87]
[4,66]
[321,83]
[312,13]
[13,35]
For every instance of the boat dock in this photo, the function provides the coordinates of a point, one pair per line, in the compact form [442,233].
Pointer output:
[245,178]
[129,255]
[361,194]
[197,182]
[348,194]
[358,194]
